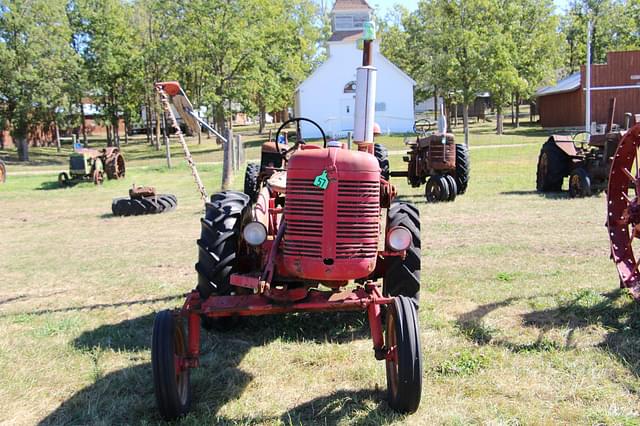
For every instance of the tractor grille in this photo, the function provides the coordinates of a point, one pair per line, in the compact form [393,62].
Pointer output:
[355,219]
[76,162]
[304,210]
[358,215]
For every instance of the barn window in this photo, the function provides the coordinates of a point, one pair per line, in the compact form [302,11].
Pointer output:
[381,106]
[350,87]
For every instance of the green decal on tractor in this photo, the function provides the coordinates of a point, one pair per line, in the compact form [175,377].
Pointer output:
[321,181]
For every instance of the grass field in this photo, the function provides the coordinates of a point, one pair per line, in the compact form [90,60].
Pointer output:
[522,321]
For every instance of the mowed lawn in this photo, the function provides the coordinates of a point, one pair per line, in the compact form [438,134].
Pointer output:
[522,319]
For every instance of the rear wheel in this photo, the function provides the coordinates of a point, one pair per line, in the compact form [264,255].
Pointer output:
[218,243]
[115,166]
[437,189]
[3,172]
[404,359]
[579,183]
[551,169]
[171,379]
[382,155]
[463,168]
[453,187]
[402,276]
[251,180]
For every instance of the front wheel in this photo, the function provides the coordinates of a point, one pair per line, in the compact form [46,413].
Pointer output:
[437,189]
[404,358]
[171,379]
[579,183]
[63,179]
[453,187]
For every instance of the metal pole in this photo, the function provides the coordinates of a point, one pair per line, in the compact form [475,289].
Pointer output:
[238,150]
[227,161]
[349,139]
[587,109]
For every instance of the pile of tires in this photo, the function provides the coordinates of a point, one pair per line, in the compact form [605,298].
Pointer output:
[160,203]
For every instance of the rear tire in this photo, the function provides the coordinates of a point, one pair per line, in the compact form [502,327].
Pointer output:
[115,166]
[3,172]
[172,388]
[579,183]
[382,155]
[404,373]
[437,189]
[251,180]
[218,243]
[402,276]
[552,168]
[463,168]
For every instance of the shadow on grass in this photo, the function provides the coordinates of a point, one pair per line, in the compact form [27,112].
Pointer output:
[53,185]
[563,195]
[127,396]
[615,311]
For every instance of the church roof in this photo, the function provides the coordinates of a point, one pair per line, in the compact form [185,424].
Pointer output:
[346,35]
[351,5]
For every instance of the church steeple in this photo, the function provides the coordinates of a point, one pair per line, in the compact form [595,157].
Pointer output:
[349,16]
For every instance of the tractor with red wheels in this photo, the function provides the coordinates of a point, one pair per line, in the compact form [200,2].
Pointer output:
[307,241]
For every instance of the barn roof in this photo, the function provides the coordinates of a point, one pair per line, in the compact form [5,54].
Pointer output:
[346,35]
[566,85]
[351,5]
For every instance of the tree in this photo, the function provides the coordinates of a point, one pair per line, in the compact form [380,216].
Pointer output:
[112,57]
[36,55]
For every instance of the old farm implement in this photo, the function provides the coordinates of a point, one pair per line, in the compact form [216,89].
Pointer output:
[93,165]
[435,159]
[623,210]
[307,241]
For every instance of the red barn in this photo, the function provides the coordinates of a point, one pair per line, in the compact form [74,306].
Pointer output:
[563,105]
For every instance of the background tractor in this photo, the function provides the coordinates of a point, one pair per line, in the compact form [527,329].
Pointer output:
[93,164]
[306,240]
[3,172]
[435,159]
[584,158]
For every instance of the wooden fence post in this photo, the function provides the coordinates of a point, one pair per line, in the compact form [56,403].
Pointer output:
[227,161]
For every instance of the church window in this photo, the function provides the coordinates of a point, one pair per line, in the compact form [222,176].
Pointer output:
[350,87]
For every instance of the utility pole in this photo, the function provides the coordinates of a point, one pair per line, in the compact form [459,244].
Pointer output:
[587,77]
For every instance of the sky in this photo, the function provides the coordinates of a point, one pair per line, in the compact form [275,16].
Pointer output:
[413,4]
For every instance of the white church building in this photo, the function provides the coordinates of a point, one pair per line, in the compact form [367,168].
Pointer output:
[328,95]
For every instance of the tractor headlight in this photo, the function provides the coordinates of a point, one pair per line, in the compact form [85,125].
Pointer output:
[254,233]
[399,238]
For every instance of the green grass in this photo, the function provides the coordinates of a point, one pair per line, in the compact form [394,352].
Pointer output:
[522,321]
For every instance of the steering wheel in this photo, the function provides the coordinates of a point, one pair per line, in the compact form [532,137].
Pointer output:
[581,142]
[299,140]
[422,126]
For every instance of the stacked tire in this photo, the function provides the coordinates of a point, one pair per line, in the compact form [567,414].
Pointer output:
[161,203]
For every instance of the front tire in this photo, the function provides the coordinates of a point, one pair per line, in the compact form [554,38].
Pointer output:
[437,189]
[402,276]
[404,366]
[453,187]
[171,383]
[579,183]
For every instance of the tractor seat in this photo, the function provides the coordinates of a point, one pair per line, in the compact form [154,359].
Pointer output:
[278,181]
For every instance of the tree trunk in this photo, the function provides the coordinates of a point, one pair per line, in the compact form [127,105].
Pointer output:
[116,130]
[22,144]
[84,124]
[147,120]
[517,110]
[465,123]
[57,137]
[499,120]
[435,105]
[109,140]
[263,119]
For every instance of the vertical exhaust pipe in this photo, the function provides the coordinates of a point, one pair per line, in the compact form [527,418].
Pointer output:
[365,105]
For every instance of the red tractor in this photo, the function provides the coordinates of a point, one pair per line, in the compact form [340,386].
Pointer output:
[308,241]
